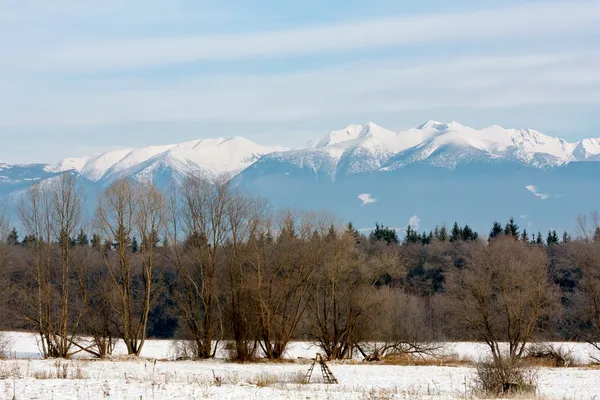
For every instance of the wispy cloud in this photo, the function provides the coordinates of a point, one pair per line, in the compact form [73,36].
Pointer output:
[539,19]
[390,86]
[367,198]
[533,189]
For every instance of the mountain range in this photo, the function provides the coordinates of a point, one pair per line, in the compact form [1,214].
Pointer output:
[431,174]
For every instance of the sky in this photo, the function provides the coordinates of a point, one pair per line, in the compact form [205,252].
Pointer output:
[80,77]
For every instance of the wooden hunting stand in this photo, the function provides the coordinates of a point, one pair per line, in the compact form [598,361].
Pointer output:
[325,371]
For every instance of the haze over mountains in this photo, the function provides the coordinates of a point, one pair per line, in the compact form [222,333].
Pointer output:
[434,173]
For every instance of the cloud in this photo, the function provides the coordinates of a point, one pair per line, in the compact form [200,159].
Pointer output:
[535,192]
[414,222]
[366,198]
[356,87]
[550,19]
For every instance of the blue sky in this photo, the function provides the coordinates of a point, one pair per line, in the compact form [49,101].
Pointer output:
[78,77]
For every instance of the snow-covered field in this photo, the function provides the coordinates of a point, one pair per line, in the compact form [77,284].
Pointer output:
[28,377]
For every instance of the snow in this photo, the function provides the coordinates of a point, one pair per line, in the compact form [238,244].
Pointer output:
[354,149]
[369,147]
[215,156]
[155,376]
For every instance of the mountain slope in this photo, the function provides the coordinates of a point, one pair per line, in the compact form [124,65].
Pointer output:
[207,156]
[367,148]
[437,171]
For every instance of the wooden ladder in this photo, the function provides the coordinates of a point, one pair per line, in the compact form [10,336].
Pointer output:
[325,371]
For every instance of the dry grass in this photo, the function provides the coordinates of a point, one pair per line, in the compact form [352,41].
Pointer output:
[62,370]
[418,361]
[266,379]
[550,356]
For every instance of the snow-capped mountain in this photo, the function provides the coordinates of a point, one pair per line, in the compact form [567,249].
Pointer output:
[206,156]
[437,171]
[369,147]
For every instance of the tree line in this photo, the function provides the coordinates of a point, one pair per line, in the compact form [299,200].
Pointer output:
[205,263]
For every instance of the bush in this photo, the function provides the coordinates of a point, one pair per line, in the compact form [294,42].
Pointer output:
[550,355]
[5,346]
[184,350]
[505,376]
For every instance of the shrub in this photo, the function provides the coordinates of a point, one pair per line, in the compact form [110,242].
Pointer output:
[549,355]
[5,346]
[505,376]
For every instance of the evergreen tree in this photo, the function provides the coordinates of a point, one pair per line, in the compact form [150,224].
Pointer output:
[29,240]
[426,238]
[331,233]
[135,247]
[566,238]
[386,234]
[511,228]
[443,234]
[456,234]
[82,239]
[13,238]
[552,238]
[538,240]
[107,246]
[411,236]
[353,231]
[496,230]
[468,234]
[96,242]
[524,236]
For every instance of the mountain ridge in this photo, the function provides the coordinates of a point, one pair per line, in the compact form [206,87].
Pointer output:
[353,149]
[437,171]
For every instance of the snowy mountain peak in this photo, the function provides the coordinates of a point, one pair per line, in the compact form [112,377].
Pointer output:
[440,126]
[214,156]
[369,147]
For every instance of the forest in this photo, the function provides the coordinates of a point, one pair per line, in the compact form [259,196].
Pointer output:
[205,263]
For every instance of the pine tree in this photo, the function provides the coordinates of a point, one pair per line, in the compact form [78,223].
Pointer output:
[552,238]
[456,233]
[425,238]
[443,234]
[331,233]
[524,236]
[29,240]
[82,239]
[96,242]
[134,245]
[13,238]
[496,230]
[538,240]
[386,234]
[353,231]
[566,238]
[468,234]
[411,236]
[511,228]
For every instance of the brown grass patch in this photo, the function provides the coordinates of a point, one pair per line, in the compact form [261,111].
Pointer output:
[419,361]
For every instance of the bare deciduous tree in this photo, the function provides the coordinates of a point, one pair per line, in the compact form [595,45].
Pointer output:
[51,214]
[124,209]
[502,295]
[586,300]
[345,293]
[201,215]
